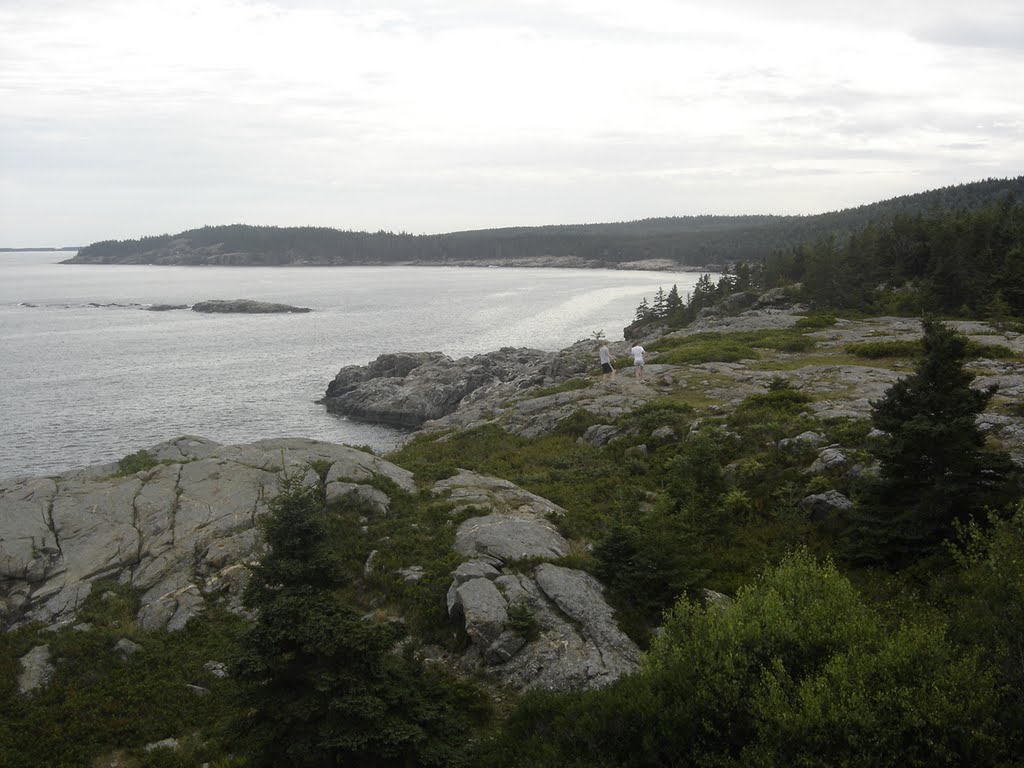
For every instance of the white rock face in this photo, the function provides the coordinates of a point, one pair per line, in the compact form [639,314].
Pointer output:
[180,531]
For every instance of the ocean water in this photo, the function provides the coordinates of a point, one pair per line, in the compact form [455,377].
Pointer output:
[87,376]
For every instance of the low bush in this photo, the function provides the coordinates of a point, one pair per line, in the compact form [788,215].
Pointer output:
[816,321]
[566,386]
[136,462]
[875,350]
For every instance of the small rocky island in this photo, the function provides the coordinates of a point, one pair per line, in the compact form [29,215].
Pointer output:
[246,307]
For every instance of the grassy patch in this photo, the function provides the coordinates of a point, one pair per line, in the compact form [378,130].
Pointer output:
[910,349]
[875,350]
[816,322]
[976,350]
[566,386]
[770,416]
[663,412]
[797,363]
[703,348]
[730,347]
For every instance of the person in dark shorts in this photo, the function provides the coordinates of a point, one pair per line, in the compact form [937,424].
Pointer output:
[606,361]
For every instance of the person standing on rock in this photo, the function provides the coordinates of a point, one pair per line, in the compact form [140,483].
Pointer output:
[638,360]
[606,361]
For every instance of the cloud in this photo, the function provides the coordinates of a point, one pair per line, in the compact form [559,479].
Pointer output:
[430,116]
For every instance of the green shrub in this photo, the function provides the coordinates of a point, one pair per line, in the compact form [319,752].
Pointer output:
[730,347]
[798,671]
[707,350]
[139,461]
[662,412]
[816,321]
[522,621]
[566,386]
[577,423]
[875,350]
[976,350]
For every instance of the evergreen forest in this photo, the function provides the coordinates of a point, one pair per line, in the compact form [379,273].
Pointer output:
[684,240]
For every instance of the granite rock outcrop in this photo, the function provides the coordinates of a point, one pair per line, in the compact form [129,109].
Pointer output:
[409,389]
[543,625]
[180,532]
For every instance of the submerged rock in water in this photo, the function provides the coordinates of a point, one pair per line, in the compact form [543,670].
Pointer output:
[245,306]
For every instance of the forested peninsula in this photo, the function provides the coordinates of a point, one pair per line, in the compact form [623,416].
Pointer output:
[661,243]
[792,539]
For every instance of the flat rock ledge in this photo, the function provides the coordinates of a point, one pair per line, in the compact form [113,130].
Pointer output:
[244,306]
[545,626]
[182,532]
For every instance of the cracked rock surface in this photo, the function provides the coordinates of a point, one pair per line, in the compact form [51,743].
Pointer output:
[181,531]
[575,642]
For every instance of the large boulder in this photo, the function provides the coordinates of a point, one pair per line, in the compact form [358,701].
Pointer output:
[36,669]
[410,389]
[180,532]
[574,643]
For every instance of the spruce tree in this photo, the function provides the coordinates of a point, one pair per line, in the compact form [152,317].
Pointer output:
[673,302]
[321,684]
[659,308]
[934,468]
[643,311]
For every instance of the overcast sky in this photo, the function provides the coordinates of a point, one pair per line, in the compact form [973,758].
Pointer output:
[125,118]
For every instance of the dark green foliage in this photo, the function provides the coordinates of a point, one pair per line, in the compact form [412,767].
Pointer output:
[989,608]
[706,350]
[100,700]
[321,684]
[907,349]
[875,350]
[522,621]
[136,462]
[588,482]
[799,671]
[661,413]
[950,261]
[990,351]
[648,562]
[730,347]
[770,416]
[577,423]
[816,322]
[566,386]
[694,240]
[934,469]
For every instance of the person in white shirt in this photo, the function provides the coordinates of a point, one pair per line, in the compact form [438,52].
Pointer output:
[638,360]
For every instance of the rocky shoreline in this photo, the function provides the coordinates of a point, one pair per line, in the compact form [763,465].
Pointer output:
[182,254]
[182,531]
[530,392]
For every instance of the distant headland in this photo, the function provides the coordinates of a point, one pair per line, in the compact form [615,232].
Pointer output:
[673,243]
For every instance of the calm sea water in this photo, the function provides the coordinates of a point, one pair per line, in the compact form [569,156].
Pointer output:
[81,383]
